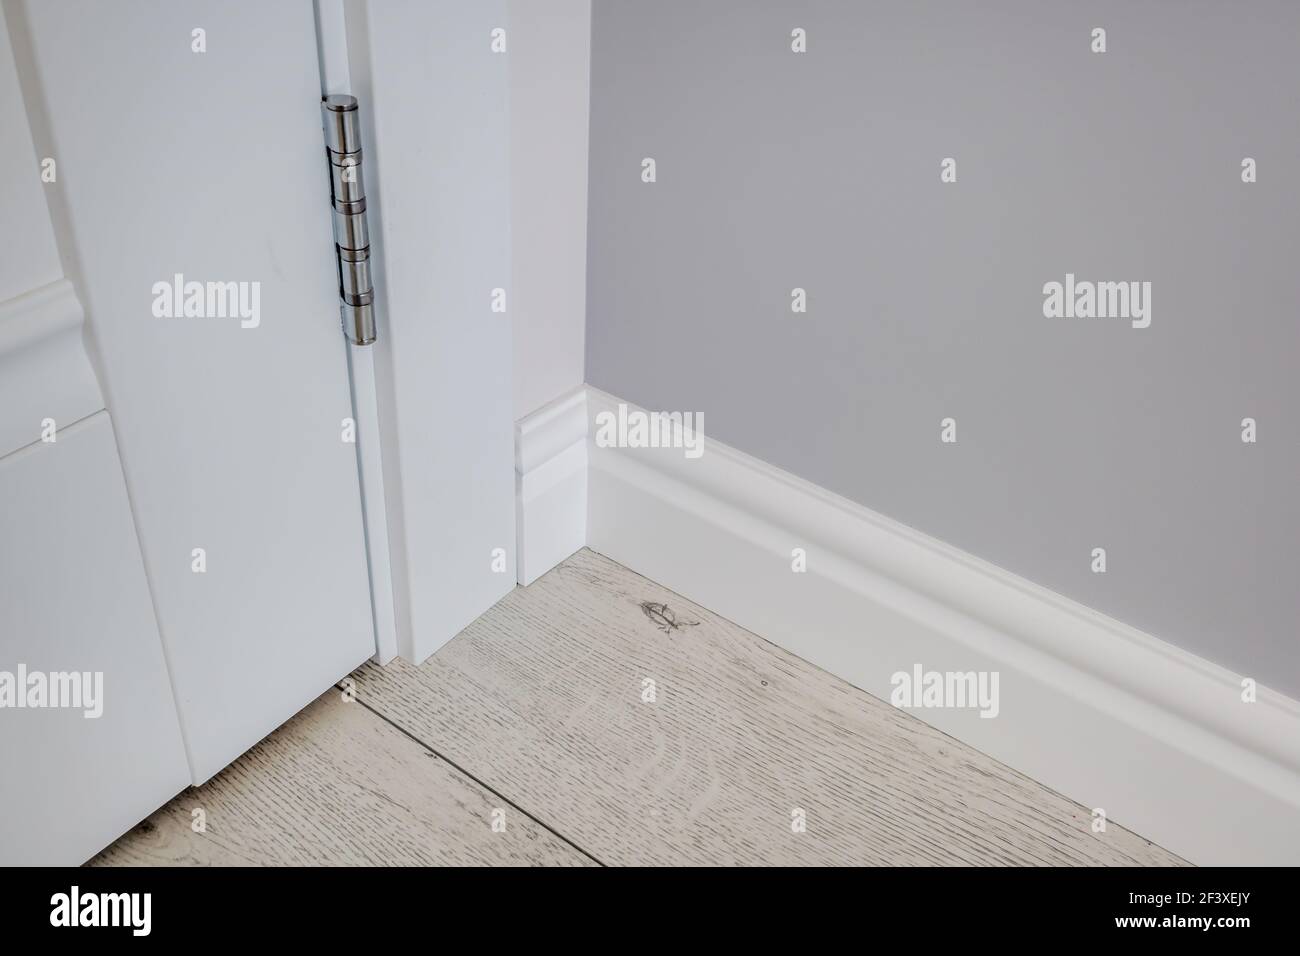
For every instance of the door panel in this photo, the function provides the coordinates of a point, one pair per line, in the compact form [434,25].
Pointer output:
[76,601]
[210,165]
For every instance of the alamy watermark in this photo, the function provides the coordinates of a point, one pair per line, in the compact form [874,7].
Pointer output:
[1098,300]
[180,299]
[946,689]
[75,908]
[633,428]
[72,690]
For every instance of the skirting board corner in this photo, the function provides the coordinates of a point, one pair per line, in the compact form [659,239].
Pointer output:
[550,485]
[1158,739]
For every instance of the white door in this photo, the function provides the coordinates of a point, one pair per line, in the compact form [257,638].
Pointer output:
[188,147]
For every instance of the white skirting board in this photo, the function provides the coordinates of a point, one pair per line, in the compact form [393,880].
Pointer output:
[1158,739]
[550,485]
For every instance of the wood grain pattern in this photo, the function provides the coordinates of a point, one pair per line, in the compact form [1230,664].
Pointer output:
[336,786]
[541,699]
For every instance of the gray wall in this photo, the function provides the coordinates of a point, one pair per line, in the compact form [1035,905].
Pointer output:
[821,170]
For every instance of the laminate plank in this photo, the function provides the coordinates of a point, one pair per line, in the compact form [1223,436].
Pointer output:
[541,698]
[338,786]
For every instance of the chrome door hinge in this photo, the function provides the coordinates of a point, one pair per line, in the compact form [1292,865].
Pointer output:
[351,233]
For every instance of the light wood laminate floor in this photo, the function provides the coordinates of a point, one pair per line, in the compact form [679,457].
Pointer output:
[530,739]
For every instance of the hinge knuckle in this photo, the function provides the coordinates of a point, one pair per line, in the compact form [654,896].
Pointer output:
[342,122]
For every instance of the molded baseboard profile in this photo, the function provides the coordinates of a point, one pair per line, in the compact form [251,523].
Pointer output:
[550,485]
[1157,739]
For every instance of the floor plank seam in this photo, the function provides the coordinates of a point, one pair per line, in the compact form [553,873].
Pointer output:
[482,783]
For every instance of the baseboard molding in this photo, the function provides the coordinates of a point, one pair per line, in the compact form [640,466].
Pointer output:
[1101,712]
[550,485]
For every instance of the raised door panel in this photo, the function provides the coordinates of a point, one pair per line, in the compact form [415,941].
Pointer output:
[75,601]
